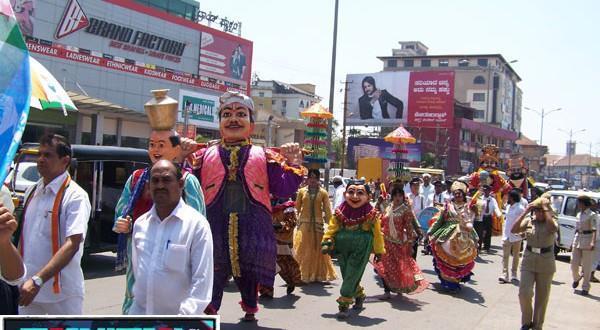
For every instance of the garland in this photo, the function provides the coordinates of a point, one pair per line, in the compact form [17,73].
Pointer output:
[234,257]
[348,222]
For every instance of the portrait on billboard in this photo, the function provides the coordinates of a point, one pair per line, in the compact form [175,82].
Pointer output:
[237,63]
[24,10]
[377,99]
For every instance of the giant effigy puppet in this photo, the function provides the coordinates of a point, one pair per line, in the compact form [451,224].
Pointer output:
[488,174]
[135,200]
[237,179]
[518,175]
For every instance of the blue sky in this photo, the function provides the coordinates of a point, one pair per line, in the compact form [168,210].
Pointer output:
[555,43]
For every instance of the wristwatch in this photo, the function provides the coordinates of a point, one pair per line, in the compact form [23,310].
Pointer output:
[37,281]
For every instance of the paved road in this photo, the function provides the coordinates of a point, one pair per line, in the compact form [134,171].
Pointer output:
[482,304]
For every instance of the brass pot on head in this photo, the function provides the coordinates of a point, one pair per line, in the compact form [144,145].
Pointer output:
[161,110]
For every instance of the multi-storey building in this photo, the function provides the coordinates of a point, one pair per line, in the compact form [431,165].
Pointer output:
[485,82]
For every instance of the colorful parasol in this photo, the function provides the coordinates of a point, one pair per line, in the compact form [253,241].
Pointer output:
[15,86]
[316,134]
[317,111]
[46,92]
[399,137]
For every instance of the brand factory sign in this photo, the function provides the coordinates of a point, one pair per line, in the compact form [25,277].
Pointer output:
[136,40]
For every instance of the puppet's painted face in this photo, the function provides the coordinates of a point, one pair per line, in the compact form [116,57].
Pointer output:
[517,173]
[489,164]
[356,195]
[161,147]
[235,124]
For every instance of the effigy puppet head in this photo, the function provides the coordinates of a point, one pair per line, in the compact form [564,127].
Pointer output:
[164,144]
[517,169]
[357,193]
[489,160]
[236,117]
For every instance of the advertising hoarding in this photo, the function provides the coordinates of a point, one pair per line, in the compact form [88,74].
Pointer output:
[390,99]
[202,109]
[139,39]
[378,148]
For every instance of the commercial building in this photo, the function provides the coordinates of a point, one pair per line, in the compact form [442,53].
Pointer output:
[278,106]
[109,55]
[583,169]
[457,149]
[485,82]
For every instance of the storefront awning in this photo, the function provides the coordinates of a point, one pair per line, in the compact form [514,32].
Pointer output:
[90,104]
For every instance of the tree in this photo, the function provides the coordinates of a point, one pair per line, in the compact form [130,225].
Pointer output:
[337,145]
[428,160]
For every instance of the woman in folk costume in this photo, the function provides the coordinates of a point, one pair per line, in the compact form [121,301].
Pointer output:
[135,199]
[284,222]
[453,241]
[398,270]
[238,179]
[313,206]
[354,232]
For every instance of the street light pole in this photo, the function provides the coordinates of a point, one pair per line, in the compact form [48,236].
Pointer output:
[331,88]
[543,115]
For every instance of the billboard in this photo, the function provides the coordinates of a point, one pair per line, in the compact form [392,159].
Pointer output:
[417,99]
[202,109]
[378,148]
[126,36]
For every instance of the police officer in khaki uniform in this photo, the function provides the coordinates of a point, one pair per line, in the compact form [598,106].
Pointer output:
[538,265]
[584,244]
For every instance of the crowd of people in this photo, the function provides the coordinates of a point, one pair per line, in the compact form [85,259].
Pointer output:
[202,215]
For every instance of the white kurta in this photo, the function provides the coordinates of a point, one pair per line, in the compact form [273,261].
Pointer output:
[37,233]
[513,212]
[172,263]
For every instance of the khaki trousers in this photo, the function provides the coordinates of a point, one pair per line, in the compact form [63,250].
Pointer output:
[510,248]
[585,258]
[542,283]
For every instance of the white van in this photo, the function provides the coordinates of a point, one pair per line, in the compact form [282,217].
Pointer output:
[564,202]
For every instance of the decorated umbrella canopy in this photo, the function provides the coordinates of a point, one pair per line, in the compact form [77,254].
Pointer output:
[399,137]
[15,86]
[316,134]
[46,92]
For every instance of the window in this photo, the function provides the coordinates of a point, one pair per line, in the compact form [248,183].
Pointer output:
[425,63]
[463,62]
[410,46]
[443,62]
[557,203]
[482,62]
[392,63]
[479,114]
[409,63]
[479,80]
[571,207]
[478,97]
[261,94]
[284,103]
[301,104]
[273,102]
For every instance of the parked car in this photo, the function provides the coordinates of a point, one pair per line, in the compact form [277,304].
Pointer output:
[102,172]
[558,183]
[564,202]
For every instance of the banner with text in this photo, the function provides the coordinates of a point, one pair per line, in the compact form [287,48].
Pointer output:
[390,99]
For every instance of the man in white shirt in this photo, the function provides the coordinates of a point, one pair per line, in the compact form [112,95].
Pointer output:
[418,201]
[511,243]
[172,255]
[440,197]
[427,189]
[55,217]
[490,208]
[338,194]
[12,270]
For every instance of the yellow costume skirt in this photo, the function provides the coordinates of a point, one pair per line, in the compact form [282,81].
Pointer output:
[314,266]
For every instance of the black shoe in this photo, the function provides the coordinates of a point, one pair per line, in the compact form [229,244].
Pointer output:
[249,317]
[585,292]
[575,284]
[290,289]
[358,304]
[343,313]
[526,327]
